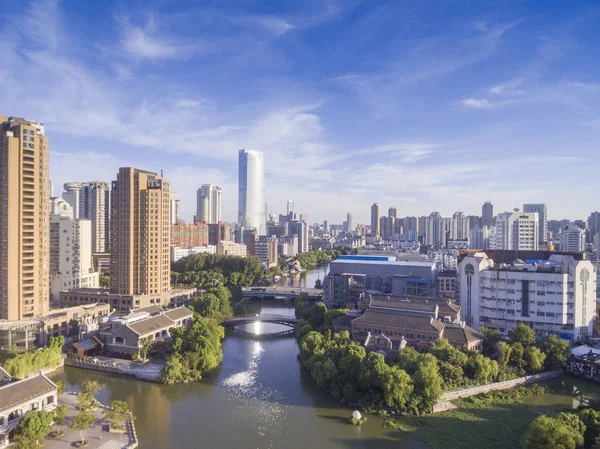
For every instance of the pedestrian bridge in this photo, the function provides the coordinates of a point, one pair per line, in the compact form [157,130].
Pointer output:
[281,292]
[286,320]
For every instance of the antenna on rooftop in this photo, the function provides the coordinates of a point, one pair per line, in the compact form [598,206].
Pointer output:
[161,173]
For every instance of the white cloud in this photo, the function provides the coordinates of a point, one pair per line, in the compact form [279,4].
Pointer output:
[508,87]
[145,42]
[477,103]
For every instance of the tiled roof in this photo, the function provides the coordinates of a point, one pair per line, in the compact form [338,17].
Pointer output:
[180,313]
[152,310]
[418,323]
[16,393]
[402,305]
[344,321]
[151,325]
[461,335]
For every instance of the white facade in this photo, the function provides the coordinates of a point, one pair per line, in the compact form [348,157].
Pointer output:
[209,204]
[227,248]
[290,207]
[480,238]
[556,296]
[70,255]
[435,232]
[174,207]
[71,196]
[251,194]
[517,231]
[459,227]
[572,239]
[300,229]
[542,211]
[60,206]
[179,253]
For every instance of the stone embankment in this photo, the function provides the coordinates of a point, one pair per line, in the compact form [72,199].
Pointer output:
[444,403]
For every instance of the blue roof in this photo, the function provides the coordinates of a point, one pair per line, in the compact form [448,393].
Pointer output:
[541,261]
[386,262]
[358,257]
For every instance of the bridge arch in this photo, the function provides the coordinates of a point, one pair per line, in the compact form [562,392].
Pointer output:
[285,320]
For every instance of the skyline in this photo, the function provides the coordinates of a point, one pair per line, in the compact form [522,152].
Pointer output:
[420,107]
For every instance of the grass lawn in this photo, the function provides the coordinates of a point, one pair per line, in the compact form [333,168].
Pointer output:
[494,423]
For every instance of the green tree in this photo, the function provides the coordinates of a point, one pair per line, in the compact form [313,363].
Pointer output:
[591,419]
[317,315]
[557,350]
[59,414]
[32,428]
[104,281]
[516,358]
[522,334]
[82,422]
[60,386]
[548,432]
[118,412]
[491,337]
[484,369]
[428,382]
[331,315]
[504,352]
[397,388]
[86,400]
[534,358]
[443,350]
[407,359]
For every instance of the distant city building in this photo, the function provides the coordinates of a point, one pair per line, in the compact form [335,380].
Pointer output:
[190,235]
[265,248]
[393,212]
[542,211]
[487,214]
[140,260]
[386,227]
[549,292]
[480,238]
[209,204]
[217,232]
[411,224]
[517,231]
[593,225]
[375,219]
[24,220]
[60,207]
[228,248]
[459,228]
[70,255]
[174,204]
[290,207]
[300,228]
[179,253]
[572,239]
[350,227]
[251,197]
[435,232]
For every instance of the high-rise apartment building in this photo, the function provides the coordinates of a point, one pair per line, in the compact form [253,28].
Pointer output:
[375,219]
[209,204]
[91,201]
[386,227]
[487,214]
[140,258]
[435,232]
[24,219]
[350,222]
[459,227]
[218,232]
[290,207]
[71,264]
[174,204]
[411,224]
[251,190]
[300,228]
[265,248]
[572,239]
[393,212]
[517,231]
[593,225]
[542,211]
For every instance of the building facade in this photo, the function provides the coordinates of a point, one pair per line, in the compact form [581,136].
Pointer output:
[542,211]
[572,239]
[24,219]
[550,292]
[140,233]
[487,214]
[375,219]
[190,235]
[228,248]
[300,229]
[209,204]
[179,253]
[251,195]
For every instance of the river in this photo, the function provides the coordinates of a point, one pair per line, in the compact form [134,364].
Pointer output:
[259,399]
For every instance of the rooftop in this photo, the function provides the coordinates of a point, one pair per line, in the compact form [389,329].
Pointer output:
[397,263]
[181,313]
[16,393]
[413,323]
[154,324]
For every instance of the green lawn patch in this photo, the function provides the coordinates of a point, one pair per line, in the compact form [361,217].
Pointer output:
[491,421]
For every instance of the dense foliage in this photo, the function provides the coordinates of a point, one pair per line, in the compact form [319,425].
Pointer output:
[196,350]
[214,303]
[338,365]
[322,256]
[207,270]
[25,363]
[32,428]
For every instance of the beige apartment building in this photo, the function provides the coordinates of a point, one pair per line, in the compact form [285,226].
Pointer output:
[140,259]
[227,248]
[24,219]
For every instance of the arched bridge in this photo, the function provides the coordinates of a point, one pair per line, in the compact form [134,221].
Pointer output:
[286,320]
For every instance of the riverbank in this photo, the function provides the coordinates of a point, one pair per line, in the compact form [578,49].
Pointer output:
[494,420]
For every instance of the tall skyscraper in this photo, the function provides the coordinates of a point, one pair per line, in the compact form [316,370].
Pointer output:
[290,207]
[593,225]
[209,204]
[542,211]
[300,228]
[435,232]
[517,231]
[411,224]
[375,219]
[251,194]
[393,212]
[140,258]
[386,227]
[350,222]
[459,227]
[71,195]
[572,239]
[487,214]
[24,219]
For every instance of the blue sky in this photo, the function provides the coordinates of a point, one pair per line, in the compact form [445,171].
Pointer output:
[421,105]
